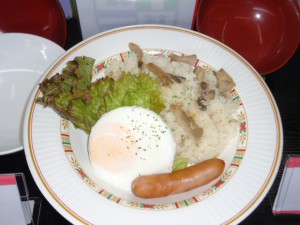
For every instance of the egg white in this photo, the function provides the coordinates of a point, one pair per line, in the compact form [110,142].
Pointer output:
[128,142]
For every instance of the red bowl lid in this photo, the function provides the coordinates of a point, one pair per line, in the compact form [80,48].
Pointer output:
[265,33]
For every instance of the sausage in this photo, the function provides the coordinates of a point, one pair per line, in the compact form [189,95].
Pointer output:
[161,185]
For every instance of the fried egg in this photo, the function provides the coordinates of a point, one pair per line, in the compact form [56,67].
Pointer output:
[128,142]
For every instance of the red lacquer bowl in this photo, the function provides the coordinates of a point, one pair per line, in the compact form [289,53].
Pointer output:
[266,33]
[44,18]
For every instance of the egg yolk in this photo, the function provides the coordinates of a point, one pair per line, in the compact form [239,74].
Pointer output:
[114,148]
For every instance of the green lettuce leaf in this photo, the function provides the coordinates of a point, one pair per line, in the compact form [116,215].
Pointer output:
[75,97]
[180,163]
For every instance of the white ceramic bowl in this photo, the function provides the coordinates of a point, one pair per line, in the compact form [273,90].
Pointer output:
[24,58]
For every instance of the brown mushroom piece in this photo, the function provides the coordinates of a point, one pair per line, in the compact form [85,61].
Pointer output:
[203,85]
[206,94]
[138,51]
[177,79]
[224,81]
[204,99]
[187,122]
[210,95]
[199,72]
[189,59]
[164,78]
[202,103]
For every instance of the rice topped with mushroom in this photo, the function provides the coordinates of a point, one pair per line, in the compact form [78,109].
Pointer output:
[199,108]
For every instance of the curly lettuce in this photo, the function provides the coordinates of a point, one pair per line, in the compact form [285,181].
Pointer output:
[75,97]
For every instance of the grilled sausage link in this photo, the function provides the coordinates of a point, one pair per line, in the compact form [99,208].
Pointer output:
[161,185]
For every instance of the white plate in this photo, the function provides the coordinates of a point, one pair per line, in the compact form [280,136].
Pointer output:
[49,145]
[24,58]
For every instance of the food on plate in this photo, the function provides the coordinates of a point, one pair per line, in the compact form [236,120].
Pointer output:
[193,102]
[161,185]
[129,141]
[139,53]
[75,97]
[189,59]
[164,78]
[187,122]
[225,82]
[201,116]
[196,91]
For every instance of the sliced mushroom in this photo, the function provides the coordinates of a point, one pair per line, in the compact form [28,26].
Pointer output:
[204,99]
[206,94]
[210,95]
[189,59]
[187,122]
[138,51]
[202,104]
[203,85]
[177,79]
[224,81]
[199,71]
[164,78]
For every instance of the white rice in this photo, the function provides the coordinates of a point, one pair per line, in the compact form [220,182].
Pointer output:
[218,121]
